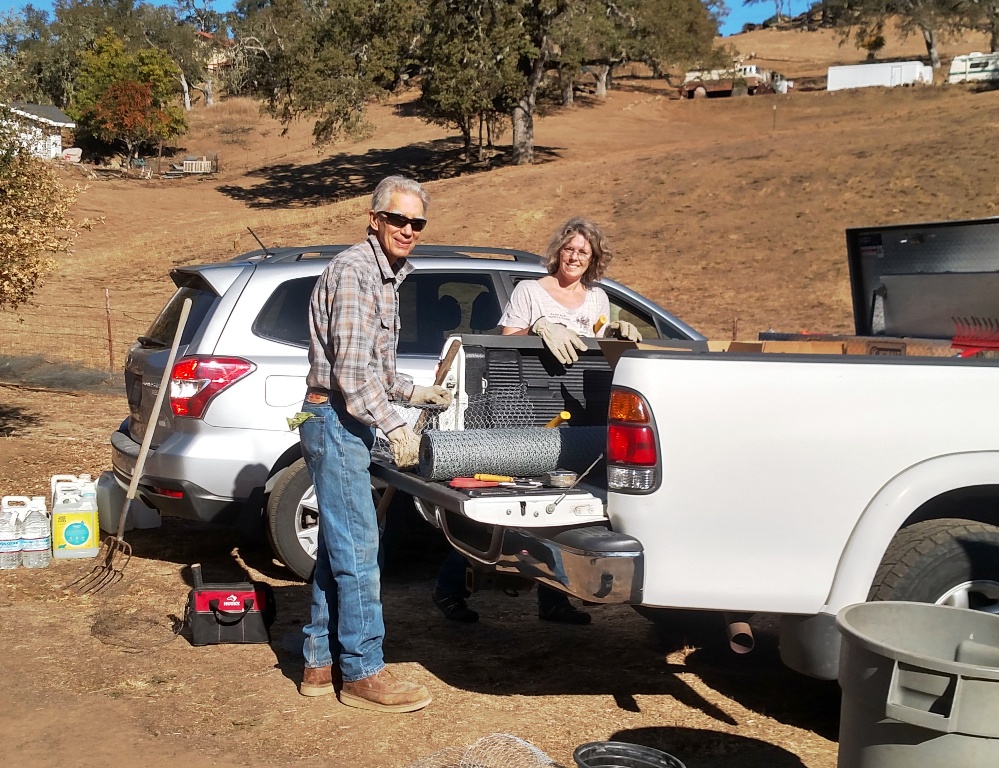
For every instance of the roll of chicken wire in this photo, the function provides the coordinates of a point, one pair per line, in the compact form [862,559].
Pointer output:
[521,452]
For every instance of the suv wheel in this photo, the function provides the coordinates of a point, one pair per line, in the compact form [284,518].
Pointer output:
[293,520]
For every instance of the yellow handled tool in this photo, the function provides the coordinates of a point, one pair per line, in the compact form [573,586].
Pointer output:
[601,322]
[563,416]
[495,478]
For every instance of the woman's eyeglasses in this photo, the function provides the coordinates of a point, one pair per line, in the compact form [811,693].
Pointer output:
[579,254]
[399,221]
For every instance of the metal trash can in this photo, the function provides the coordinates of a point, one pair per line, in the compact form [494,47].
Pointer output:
[920,686]
[620,754]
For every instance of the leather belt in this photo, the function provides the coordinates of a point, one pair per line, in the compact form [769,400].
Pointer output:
[317,396]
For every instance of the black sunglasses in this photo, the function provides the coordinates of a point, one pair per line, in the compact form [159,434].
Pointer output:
[399,221]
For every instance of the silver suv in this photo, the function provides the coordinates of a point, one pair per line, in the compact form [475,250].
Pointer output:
[222,450]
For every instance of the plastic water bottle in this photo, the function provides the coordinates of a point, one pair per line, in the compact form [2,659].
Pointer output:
[36,535]
[10,539]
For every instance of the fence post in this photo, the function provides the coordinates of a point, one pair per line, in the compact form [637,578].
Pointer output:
[107,310]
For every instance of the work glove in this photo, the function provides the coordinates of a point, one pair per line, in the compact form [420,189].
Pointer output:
[561,341]
[622,329]
[405,446]
[434,395]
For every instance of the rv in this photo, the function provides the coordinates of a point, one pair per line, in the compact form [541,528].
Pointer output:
[974,66]
[887,74]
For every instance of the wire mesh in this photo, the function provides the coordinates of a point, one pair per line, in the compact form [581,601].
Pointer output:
[518,451]
[497,750]
[503,407]
[500,407]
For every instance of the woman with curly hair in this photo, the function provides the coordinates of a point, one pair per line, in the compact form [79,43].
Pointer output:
[560,307]
[565,304]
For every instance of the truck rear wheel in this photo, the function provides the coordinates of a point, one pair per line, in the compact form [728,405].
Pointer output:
[948,562]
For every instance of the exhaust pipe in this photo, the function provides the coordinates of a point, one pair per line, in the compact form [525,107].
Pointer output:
[740,634]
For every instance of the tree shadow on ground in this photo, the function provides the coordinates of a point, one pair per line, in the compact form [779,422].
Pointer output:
[637,84]
[700,748]
[14,420]
[344,176]
[38,371]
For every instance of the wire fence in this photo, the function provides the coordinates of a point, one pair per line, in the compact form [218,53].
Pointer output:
[90,335]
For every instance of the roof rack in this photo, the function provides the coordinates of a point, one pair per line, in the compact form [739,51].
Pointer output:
[301,253]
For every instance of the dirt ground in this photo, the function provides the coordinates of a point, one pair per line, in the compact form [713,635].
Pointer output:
[731,213]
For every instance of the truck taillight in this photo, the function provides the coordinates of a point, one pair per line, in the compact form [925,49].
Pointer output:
[627,444]
[632,451]
[194,381]
[627,406]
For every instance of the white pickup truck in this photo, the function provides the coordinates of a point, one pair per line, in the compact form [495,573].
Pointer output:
[743,482]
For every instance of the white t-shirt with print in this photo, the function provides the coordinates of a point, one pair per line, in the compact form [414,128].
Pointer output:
[529,302]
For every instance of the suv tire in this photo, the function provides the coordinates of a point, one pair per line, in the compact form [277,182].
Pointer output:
[292,520]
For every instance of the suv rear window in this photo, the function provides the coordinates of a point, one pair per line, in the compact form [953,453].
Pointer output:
[285,315]
[160,333]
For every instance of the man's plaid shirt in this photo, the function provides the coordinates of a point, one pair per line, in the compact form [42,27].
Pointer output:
[354,323]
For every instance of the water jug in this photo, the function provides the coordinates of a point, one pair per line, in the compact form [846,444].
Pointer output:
[36,534]
[10,530]
[63,485]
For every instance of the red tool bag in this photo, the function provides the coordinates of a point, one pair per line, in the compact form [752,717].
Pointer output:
[240,612]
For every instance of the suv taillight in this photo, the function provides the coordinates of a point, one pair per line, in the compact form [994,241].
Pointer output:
[194,381]
[632,453]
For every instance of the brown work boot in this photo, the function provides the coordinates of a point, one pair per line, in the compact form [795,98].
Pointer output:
[318,681]
[384,693]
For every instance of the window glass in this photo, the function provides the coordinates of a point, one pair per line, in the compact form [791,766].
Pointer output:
[285,315]
[431,307]
[160,333]
[621,310]
[434,306]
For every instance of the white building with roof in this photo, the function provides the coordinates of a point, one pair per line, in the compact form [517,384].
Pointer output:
[41,128]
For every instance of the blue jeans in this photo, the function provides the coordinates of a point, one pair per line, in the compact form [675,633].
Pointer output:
[346,587]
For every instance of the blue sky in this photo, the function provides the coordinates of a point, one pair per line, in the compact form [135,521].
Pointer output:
[738,13]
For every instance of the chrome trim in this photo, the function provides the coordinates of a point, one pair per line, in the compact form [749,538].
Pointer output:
[593,574]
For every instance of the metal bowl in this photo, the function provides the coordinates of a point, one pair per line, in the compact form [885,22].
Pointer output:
[558,478]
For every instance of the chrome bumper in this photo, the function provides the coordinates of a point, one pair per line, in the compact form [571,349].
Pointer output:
[592,563]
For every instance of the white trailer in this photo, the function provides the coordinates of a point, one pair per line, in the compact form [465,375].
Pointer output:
[882,73]
[974,66]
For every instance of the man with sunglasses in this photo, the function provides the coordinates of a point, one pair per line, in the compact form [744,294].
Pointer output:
[354,325]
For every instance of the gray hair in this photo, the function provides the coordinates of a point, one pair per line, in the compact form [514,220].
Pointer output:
[391,184]
[577,225]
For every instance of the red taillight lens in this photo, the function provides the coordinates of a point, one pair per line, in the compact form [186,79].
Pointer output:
[631,445]
[168,492]
[196,380]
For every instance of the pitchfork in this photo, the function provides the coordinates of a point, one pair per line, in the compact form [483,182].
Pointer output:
[975,334]
[115,552]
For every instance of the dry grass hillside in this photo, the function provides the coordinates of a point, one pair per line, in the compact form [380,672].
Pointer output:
[719,210]
[729,212]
